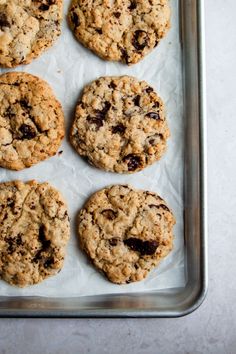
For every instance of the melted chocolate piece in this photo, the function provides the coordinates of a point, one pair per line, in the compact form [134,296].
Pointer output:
[27,132]
[125,55]
[119,129]
[133,5]
[153,115]
[112,85]
[4,21]
[97,121]
[49,262]
[75,19]
[113,241]
[44,7]
[140,40]
[162,206]
[9,113]
[136,100]
[144,247]
[25,104]
[109,214]
[100,115]
[134,161]
[117,14]
[42,238]
[149,89]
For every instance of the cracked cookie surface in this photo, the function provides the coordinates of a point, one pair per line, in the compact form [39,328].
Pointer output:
[120,30]
[31,121]
[125,232]
[27,28]
[120,124]
[34,231]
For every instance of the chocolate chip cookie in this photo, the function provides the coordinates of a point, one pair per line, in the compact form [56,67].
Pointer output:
[125,232]
[120,30]
[34,231]
[27,28]
[31,121]
[120,124]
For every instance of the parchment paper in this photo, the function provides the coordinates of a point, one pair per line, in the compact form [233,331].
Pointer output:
[68,66]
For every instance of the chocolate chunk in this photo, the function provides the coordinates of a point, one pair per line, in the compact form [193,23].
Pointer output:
[13,243]
[134,161]
[97,121]
[118,129]
[4,21]
[42,238]
[117,14]
[109,214]
[125,55]
[113,241]
[133,5]
[106,107]
[112,85]
[10,202]
[152,141]
[149,89]
[156,104]
[140,40]
[100,115]
[162,206]
[44,7]
[9,113]
[144,247]
[19,240]
[27,132]
[75,19]
[49,262]
[153,115]
[136,100]
[98,30]
[25,104]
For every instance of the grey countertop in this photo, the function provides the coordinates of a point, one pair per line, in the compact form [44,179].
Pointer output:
[212,328]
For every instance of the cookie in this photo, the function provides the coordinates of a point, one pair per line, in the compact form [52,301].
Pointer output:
[125,232]
[27,28]
[31,121]
[120,124]
[34,231]
[120,30]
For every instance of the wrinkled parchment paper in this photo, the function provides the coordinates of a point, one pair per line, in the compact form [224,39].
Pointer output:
[68,66]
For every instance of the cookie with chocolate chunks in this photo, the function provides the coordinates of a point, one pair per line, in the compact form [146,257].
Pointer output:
[125,232]
[120,30]
[34,231]
[31,121]
[27,28]
[120,124]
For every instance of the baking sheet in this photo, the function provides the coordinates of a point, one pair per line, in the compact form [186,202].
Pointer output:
[68,66]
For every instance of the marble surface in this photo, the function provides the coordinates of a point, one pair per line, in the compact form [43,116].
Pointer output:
[212,328]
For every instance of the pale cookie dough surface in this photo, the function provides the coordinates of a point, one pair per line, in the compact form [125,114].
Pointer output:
[27,28]
[125,232]
[120,124]
[34,231]
[120,30]
[31,121]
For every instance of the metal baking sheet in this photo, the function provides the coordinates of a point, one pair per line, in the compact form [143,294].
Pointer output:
[173,301]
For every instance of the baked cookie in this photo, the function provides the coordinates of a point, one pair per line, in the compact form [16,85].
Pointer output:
[125,232]
[31,121]
[120,30]
[27,28]
[34,231]
[120,124]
